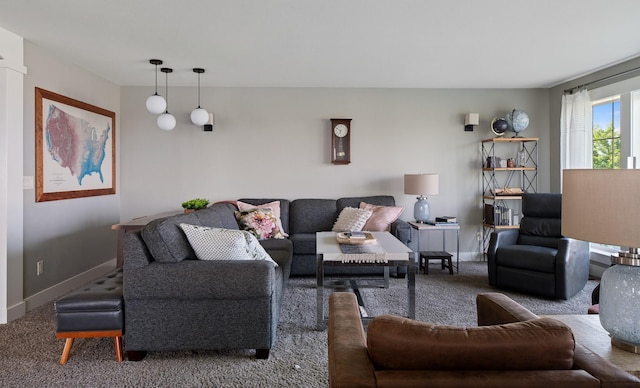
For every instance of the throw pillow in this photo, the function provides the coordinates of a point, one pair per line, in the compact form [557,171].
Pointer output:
[274,206]
[382,217]
[261,222]
[224,244]
[351,219]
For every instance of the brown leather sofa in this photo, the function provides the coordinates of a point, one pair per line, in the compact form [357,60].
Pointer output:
[511,347]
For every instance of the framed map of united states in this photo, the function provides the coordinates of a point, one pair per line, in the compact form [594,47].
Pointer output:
[75,148]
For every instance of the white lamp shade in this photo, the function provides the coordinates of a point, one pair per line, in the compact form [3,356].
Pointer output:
[156,104]
[421,184]
[199,116]
[166,121]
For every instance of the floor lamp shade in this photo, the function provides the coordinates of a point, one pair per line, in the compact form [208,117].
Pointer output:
[603,206]
[421,185]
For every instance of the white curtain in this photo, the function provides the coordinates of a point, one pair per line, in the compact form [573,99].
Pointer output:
[576,131]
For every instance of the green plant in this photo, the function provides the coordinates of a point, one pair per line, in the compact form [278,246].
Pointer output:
[196,203]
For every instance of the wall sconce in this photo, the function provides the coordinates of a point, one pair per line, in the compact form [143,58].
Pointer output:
[166,120]
[471,119]
[208,126]
[199,116]
[156,103]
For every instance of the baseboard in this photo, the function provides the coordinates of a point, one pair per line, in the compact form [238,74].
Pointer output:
[56,291]
[12,313]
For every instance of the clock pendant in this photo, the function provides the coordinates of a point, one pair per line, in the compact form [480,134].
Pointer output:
[340,141]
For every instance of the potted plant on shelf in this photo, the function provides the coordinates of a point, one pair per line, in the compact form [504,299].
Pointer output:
[194,204]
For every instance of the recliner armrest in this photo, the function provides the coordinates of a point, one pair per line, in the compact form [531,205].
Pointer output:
[498,238]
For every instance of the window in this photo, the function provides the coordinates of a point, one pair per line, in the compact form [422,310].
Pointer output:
[606,133]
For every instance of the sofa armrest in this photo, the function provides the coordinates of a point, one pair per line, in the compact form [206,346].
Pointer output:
[201,279]
[349,363]
[496,309]
[609,374]
[401,230]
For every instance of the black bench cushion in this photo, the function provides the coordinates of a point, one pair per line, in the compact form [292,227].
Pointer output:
[95,306]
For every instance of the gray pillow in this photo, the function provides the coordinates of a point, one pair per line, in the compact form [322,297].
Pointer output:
[166,240]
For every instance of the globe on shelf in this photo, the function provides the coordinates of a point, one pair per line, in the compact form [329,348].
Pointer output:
[499,126]
[518,121]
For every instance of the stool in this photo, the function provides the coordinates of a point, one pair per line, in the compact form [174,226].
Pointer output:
[436,255]
[94,310]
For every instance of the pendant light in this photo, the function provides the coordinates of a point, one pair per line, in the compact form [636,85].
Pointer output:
[166,120]
[199,116]
[156,103]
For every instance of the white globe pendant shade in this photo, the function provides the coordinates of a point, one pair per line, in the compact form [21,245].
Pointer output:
[199,116]
[156,104]
[166,121]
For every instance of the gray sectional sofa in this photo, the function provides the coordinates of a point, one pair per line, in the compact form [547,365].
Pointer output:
[234,304]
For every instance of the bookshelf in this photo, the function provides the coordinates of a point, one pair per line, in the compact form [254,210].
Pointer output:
[509,169]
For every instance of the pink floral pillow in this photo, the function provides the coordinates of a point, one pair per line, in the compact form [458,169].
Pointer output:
[262,223]
[274,206]
[382,217]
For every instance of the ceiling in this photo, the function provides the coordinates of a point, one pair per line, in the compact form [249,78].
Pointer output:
[334,43]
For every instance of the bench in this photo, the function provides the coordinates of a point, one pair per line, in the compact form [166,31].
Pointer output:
[94,310]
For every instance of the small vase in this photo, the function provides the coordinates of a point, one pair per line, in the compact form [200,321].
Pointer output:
[189,210]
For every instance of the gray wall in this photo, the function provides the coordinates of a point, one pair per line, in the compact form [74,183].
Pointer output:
[73,235]
[274,142]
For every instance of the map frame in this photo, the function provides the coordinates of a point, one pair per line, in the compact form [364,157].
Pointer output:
[45,173]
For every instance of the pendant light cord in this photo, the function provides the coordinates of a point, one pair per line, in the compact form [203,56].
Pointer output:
[198,90]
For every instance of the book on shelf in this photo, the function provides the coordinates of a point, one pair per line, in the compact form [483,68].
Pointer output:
[498,215]
[449,219]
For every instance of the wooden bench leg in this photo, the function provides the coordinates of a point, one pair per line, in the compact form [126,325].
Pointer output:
[450,266]
[118,345]
[66,351]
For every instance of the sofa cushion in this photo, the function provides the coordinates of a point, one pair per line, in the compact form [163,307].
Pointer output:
[303,243]
[351,219]
[273,205]
[400,343]
[382,217]
[262,222]
[312,215]
[166,240]
[218,215]
[224,244]
[529,257]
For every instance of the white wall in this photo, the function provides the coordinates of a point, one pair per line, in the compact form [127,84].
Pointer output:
[275,142]
[71,236]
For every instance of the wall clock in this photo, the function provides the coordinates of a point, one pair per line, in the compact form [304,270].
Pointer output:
[340,141]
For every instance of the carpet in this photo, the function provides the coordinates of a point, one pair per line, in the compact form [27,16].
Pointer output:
[30,351]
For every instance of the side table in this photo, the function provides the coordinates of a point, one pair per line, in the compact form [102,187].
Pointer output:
[444,228]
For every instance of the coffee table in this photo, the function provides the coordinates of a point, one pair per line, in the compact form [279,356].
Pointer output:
[393,253]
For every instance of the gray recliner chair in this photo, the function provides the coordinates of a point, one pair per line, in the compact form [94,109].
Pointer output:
[537,259]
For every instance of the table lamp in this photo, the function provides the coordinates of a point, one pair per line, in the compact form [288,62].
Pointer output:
[421,185]
[603,206]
